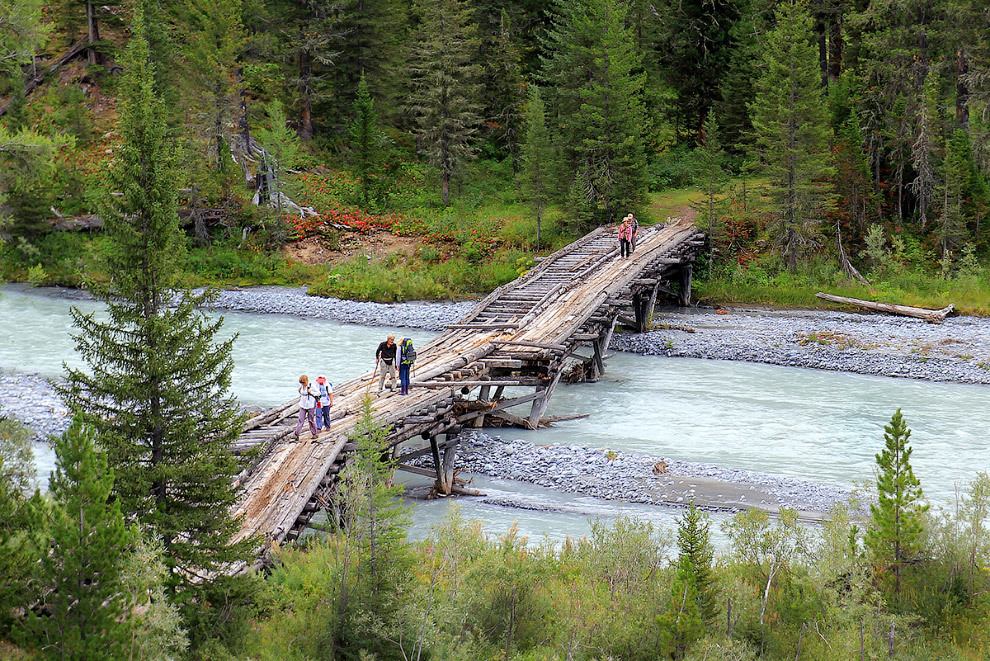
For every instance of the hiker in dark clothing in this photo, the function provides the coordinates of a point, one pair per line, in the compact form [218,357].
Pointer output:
[386,357]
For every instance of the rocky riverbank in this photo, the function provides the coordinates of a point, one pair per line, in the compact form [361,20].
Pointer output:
[957,350]
[635,478]
[32,400]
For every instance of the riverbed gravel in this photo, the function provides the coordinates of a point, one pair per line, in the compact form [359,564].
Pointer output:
[295,301]
[32,400]
[637,478]
[957,350]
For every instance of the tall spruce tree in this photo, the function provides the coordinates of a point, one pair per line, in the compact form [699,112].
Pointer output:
[712,177]
[368,145]
[896,526]
[593,70]
[957,169]
[312,43]
[444,97]
[694,544]
[791,126]
[502,90]
[89,609]
[214,41]
[537,158]
[155,385]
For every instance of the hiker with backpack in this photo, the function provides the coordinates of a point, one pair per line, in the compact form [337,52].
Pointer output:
[307,405]
[407,358]
[323,402]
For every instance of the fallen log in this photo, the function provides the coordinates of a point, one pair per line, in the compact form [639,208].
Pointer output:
[931,316]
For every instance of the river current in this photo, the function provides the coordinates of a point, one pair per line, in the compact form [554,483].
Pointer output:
[819,426]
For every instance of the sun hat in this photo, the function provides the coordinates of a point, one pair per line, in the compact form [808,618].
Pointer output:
[321,379]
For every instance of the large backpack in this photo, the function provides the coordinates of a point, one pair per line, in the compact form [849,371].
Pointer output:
[408,353]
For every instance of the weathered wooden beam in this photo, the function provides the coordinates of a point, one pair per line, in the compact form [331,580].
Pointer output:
[535,345]
[507,363]
[504,404]
[482,326]
[931,316]
[473,384]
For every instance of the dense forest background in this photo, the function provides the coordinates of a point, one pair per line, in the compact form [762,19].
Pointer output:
[827,143]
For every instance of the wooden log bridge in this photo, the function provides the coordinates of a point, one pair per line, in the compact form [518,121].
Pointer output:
[511,350]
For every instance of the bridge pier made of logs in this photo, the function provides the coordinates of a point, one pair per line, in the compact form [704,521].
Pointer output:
[511,351]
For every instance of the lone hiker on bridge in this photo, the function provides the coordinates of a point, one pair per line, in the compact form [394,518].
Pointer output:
[386,356]
[407,358]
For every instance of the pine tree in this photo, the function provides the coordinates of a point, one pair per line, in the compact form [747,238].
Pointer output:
[791,128]
[27,162]
[710,157]
[90,544]
[593,71]
[682,623]
[313,43]
[502,90]
[694,544]
[444,98]
[926,184]
[214,41]
[374,521]
[368,145]
[537,158]
[957,171]
[156,382]
[372,49]
[23,517]
[23,33]
[896,527]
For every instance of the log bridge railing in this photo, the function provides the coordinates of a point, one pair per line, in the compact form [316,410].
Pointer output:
[512,350]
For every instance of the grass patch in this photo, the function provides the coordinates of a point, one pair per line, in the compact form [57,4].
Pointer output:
[761,284]
[410,279]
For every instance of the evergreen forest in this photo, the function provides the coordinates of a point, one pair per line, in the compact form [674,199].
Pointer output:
[836,145]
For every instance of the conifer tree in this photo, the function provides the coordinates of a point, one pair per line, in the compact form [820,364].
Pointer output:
[23,33]
[368,144]
[90,545]
[502,90]
[375,564]
[791,127]
[957,171]
[213,44]
[23,516]
[27,162]
[444,97]
[373,32]
[694,544]
[682,623]
[537,157]
[924,155]
[313,43]
[593,71]
[155,386]
[710,157]
[896,526]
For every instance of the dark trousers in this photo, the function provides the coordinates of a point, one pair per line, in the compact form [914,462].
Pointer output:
[323,417]
[624,248]
[404,378]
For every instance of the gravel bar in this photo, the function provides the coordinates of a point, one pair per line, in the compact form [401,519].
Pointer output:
[636,478]
[957,350]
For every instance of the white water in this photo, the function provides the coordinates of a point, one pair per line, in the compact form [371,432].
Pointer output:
[816,425]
